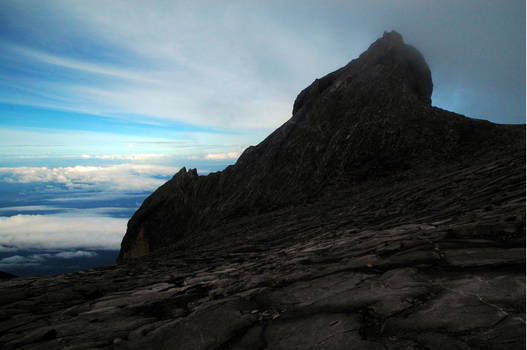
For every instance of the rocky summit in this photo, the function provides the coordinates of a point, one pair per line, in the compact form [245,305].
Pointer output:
[369,220]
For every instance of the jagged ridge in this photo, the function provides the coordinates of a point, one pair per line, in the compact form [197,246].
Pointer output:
[370,119]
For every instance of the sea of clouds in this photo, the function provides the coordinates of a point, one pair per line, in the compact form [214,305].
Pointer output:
[61,219]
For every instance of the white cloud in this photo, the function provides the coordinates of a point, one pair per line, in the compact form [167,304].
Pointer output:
[222,156]
[62,231]
[18,260]
[109,148]
[134,157]
[75,254]
[121,177]
[72,197]
[29,208]
[78,64]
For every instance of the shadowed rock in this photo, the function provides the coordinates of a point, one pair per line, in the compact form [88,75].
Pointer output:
[367,121]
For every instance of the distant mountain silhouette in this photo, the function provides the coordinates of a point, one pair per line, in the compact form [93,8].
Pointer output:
[369,120]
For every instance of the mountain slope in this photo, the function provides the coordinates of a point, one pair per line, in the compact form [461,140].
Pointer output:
[371,119]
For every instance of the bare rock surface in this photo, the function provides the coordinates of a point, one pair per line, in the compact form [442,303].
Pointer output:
[368,122]
[363,253]
[373,273]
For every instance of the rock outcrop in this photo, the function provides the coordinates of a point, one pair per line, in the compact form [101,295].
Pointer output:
[370,220]
[369,120]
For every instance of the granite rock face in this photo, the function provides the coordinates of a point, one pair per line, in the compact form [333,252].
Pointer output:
[370,120]
[407,233]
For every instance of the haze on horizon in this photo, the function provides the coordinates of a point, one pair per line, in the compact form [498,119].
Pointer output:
[103,101]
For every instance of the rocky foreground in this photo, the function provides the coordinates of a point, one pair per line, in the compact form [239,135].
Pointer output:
[370,220]
[337,274]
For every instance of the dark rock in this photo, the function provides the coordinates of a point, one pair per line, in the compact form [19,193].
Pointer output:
[368,121]
[38,335]
[370,220]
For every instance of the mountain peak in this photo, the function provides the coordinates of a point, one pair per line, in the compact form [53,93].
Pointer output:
[368,121]
[390,60]
[393,36]
[387,74]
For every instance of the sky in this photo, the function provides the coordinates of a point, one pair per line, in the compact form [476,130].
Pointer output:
[103,101]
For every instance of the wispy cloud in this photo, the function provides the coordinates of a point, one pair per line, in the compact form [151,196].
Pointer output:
[76,64]
[134,157]
[240,65]
[169,145]
[221,156]
[206,65]
[70,198]
[61,231]
[120,177]
[18,260]
[75,254]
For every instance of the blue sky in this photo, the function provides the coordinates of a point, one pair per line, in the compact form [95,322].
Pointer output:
[220,76]
[103,101]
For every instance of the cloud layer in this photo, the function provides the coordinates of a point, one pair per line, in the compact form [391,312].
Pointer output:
[222,156]
[120,177]
[61,232]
